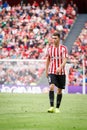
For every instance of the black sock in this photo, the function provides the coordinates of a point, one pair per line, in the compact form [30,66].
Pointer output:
[51,98]
[58,101]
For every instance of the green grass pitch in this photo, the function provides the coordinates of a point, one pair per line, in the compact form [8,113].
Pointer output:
[29,112]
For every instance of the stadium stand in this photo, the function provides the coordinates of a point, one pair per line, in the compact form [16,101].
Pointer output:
[25,33]
[25,30]
[20,72]
[77,55]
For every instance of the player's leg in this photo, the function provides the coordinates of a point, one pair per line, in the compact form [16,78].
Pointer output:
[51,95]
[51,98]
[58,100]
[51,80]
[61,85]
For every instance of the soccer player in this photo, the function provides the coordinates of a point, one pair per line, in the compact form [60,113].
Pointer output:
[57,55]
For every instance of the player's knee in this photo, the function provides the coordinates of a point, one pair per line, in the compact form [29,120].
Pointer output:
[59,91]
[51,87]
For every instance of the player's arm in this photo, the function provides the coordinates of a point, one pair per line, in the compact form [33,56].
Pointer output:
[62,65]
[47,65]
[64,62]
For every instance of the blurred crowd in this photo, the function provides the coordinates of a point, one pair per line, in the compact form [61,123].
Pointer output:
[25,30]
[21,72]
[78,57]
[25,33]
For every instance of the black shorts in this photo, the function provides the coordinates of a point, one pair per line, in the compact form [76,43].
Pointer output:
[58,80]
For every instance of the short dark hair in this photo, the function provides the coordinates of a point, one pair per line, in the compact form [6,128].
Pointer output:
[56,34]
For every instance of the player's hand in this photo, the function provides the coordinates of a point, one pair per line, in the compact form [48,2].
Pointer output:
[58,70]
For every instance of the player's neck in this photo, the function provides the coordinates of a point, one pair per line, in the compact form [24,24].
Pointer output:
[56,45]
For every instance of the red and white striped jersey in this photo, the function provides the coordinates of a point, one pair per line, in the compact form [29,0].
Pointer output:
[57,55]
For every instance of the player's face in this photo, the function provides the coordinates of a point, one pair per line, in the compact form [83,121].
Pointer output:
[56,40]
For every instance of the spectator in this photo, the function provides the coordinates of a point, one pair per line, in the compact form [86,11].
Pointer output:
[25,30]
[79,51]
